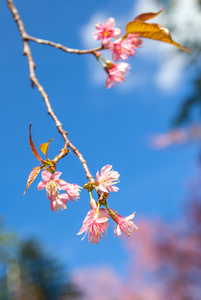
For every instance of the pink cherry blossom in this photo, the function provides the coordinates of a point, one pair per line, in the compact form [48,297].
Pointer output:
[106,31]
[107,178]
[51,182]
[58,201]
[116,73]
[121,48]
[95,224]
[123,224]
[73,191]
[176,136]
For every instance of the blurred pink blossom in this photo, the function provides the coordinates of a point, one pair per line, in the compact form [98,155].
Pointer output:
[106,31]
[163,263]
[123,47]
[99,283]
[177,136]
[115,73]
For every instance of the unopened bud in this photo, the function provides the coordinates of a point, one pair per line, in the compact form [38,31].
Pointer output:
[105,195]
[88,186]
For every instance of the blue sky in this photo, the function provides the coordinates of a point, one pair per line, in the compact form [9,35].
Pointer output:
[107,126]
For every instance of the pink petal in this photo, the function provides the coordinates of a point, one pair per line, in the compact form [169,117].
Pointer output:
[99,26]
[106,169]
[112,188]
[115,56]
[41,185]
[123,67]
[118,231]
[102,188]
[59,202]
[116,32]
[93,205]
[52,197]
[118,77]
[109,82]
[52,205]
[95,35]
[63,185]
[102,220]
[129,217]
[104,212]
[124,56]
[95,238]
[82,229]
[97,175]
[110,23]
[56,175]
[118,41]
[106,41]
[46,175]
[64,197]
[72,193]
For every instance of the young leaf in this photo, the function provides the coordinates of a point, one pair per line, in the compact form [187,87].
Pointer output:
[34,173]
[44,147]
[151,30]
[33,148]
[147,16]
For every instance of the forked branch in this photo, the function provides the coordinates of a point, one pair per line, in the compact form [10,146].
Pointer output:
[34,82]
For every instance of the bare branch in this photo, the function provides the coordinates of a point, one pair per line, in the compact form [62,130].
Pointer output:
[61,47]
[34,81]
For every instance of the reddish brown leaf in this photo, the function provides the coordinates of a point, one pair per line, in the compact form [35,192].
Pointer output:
[34,173]
[152,31]
[147,16]
[44,147]
[33,148]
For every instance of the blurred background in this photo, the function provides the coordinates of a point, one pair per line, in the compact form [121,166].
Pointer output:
[148,128]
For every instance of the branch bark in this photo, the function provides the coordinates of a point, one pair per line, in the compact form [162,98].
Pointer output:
[34,82]
[61,47]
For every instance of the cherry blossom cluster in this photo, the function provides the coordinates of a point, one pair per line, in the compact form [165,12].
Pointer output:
[96,222]
[121,48]
[53,185]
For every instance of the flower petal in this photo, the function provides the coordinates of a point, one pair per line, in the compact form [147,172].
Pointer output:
[110,23]
[63,198]
[41,185]
[56,175]
[105,169]
[46,175]
[52,205]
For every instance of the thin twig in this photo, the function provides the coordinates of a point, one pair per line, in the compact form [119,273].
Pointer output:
[61,47]
[34,81]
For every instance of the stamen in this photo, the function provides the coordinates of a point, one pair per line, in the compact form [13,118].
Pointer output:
[51,187]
